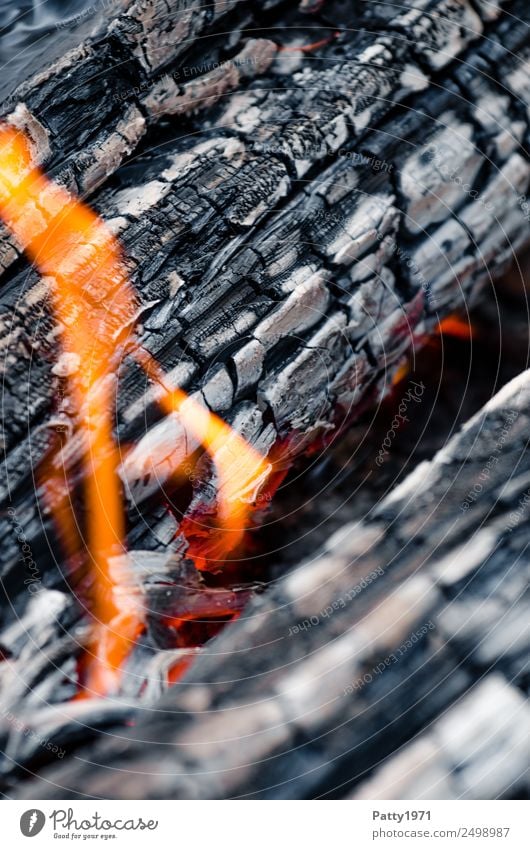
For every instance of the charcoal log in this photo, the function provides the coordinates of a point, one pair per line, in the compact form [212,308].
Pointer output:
[328,245]
[402,625]
[300,205]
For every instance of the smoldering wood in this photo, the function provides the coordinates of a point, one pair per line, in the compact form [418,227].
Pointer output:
[225,324]
[325,196]
[475,751]
[410,620]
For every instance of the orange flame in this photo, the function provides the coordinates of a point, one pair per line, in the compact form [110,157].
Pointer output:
[241,470]
[401,372]
[73,248]
[455,326]
[92,300]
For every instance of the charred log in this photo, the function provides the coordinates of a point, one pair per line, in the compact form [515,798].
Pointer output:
[348,657]
[294,223]
[288,317]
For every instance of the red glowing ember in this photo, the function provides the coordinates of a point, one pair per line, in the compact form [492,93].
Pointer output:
[456,327]
[308,48]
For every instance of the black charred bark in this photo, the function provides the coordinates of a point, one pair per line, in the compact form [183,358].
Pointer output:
[295,222]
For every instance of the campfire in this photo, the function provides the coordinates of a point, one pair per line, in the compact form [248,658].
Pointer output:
[265,396]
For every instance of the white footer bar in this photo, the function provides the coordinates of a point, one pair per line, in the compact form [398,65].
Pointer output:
[255,825]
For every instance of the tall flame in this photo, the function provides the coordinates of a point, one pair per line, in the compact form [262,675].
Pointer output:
[92,300]
[73,248]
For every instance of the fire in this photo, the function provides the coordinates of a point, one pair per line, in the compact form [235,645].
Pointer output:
[308,48]
[455,326]
[401,372]
[92,300]
[241,470]
[72,247]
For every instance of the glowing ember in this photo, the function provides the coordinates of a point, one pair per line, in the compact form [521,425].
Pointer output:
[92,300]
[401,372]
[308,48]
[457,327]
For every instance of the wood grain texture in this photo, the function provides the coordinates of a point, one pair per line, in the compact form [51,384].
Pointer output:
[294,223]
[417,615]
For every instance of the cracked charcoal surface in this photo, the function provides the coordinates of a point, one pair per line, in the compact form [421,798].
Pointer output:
[436,592]
[289,240]
[377,254]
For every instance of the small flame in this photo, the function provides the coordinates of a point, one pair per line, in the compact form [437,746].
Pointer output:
[401,372]
[308,48]
[455,326]
[74,249]
[241,470]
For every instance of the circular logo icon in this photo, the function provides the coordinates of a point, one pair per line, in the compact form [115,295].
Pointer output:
[32,822]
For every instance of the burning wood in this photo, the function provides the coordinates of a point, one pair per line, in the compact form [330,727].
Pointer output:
[72,247]
[275,225]
[381,631]
[74,250]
